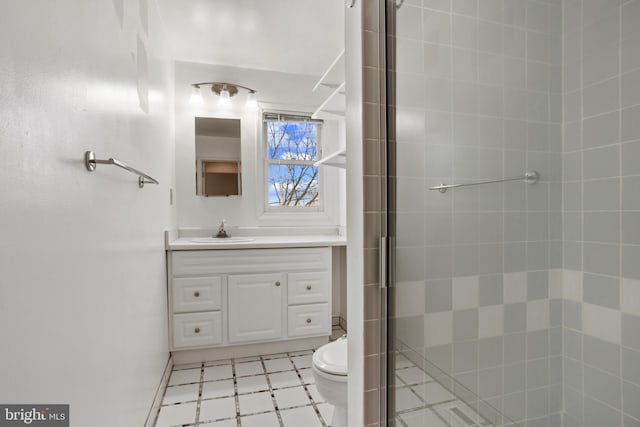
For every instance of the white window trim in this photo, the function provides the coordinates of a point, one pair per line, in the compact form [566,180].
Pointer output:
[278,216]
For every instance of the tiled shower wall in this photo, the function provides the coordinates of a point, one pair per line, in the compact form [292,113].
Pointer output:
[373,63]
[478,268]
[601,173]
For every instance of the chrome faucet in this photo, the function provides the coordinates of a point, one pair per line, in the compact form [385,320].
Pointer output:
[222,233]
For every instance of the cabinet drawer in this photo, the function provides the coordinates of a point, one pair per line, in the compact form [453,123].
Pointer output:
[196,294]
[212,262]
[306,320]
[306,288]
[197,329]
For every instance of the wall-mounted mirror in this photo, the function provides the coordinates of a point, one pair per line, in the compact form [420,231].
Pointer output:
[218,168]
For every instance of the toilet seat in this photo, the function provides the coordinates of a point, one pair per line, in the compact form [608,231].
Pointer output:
[331,358]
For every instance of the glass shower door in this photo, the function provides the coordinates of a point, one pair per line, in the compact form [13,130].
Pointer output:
[474,98]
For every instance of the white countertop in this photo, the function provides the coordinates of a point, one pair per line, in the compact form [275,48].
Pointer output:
[192,243]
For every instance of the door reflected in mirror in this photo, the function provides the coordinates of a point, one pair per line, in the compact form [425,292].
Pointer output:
[218,167]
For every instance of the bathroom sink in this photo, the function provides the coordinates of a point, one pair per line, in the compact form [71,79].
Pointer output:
[222,239]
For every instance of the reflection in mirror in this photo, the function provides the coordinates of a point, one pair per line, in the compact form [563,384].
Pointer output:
[218,169]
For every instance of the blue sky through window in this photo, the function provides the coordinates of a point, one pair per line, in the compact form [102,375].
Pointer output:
[292,184]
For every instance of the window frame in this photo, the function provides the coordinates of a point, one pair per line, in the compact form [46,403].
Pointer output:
[268,116]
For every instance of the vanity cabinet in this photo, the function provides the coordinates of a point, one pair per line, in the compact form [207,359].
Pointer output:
[229,297]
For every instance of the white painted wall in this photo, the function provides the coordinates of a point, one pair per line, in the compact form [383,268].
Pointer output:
[82,284]
[355,214]
[275,91]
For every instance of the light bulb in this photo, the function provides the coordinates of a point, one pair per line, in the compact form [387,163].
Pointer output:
[196,97]
[225,98]
[252,103]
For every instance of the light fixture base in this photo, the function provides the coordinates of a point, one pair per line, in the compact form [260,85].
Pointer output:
[218,87]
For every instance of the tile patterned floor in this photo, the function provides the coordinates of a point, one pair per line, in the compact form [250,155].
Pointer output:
[422,401]
[263,391]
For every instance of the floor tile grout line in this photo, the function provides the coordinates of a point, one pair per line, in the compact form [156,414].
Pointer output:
[273,396]
[306,389]
[199,394]
[429,406]
[250,392]
[235,392]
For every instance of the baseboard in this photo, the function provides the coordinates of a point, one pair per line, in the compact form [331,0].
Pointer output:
[247,350]
[343,323]
[157,399]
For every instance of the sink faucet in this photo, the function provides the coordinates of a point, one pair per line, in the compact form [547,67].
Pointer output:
[222,233]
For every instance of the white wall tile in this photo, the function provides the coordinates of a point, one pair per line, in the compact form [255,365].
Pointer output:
[538,315]
[465,292]
[555,283]
[515,287]
[491,321]
[410,298]
[411,17]
[601,322]
[437,27]
[630,296]
[438,328]
[572,285]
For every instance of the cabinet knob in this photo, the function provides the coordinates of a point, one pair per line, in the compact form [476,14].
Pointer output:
[278,283]
[308,320]
[196,294]
[197,330]
[308,287]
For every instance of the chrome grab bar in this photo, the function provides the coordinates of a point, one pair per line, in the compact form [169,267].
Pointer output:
[90,162]
[529,177]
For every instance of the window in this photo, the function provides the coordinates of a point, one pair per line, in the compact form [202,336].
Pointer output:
[292,147]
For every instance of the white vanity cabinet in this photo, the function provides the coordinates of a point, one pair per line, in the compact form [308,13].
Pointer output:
[237,296]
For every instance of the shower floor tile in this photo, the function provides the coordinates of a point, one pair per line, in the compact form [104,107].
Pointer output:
[422,401]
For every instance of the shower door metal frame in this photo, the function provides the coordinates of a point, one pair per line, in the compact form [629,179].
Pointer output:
[387,53]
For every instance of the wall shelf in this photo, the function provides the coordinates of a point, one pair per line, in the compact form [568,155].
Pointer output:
[336,159]
[332,79]
[333,107]
[334,73]
[323,106]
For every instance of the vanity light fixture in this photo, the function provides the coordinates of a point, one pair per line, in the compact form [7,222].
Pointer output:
[225,91]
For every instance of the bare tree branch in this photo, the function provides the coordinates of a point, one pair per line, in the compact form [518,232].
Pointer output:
[306,190]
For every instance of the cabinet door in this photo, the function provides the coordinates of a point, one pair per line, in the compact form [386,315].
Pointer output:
[255,307]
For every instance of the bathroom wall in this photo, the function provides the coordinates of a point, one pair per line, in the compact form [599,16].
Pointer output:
[601,155]
[82,299]
[358,402]
[477,293]
[275,91]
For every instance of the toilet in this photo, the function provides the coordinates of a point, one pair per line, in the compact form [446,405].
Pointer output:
[329,367]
